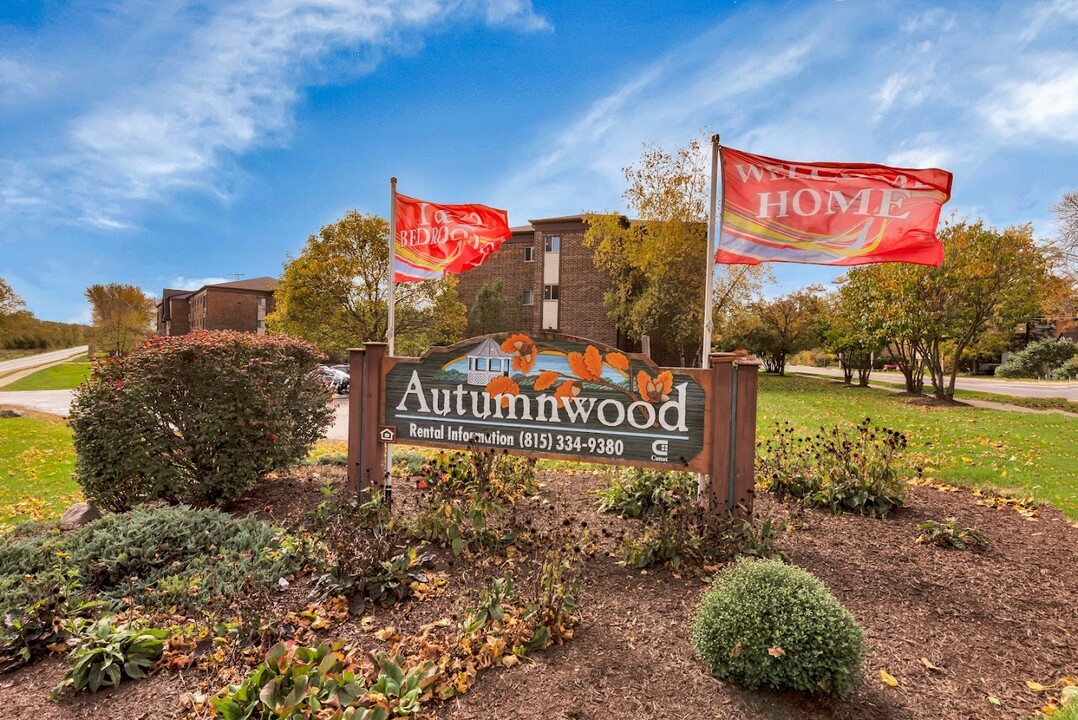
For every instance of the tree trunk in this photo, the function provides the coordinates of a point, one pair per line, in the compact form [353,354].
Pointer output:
[862,375]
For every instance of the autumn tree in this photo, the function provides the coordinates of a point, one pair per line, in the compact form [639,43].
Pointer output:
[989,282]
[490,313]
[335,292]
[121,314]
[777,328]
[658,263]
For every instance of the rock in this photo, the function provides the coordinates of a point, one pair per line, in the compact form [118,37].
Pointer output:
[11,414]
[78,515]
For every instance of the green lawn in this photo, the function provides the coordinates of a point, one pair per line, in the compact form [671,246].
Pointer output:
[57,377]
[1025,453]
[36,464]
[1036,403]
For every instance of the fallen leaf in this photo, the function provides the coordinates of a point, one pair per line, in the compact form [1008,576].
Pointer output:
[930,666]
[510,660]
[995,700]
[1035,686]
[888,679]
[737,650]
[776,652]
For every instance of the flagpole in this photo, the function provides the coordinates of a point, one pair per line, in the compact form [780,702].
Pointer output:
[391,307]
[391,328]
[709,281]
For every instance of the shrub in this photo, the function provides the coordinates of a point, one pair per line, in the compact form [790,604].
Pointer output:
[177,555]
[677,528]
[836,468]
[468,493]
[1066,372]
[637,492]
[945,534]
[1039,359]
[103,655]
[198,417]
[170,555]
[764,623]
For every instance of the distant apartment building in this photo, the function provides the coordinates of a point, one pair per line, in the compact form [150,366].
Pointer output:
[550,281]
[240,305]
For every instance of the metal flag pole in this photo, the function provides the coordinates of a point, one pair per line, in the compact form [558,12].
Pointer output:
[391,307]
[391,302]
[709,281]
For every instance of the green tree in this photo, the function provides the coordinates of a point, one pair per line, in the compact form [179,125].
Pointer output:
[122,315]
[658,263]
[334,293]
[851,331]
[775,329]
[491,313]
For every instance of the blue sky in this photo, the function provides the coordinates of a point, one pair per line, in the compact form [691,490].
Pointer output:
[166,143]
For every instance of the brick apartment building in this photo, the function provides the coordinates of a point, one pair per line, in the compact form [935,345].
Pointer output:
[550,282]
[240,305]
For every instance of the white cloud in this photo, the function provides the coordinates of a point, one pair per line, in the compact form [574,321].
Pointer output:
[1038,107]
[185,283]
[220,85]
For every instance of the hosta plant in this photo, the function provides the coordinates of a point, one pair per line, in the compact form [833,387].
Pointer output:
[104,654]
[945,533]
[297,682]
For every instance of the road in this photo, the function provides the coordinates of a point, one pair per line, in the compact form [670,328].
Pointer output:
[1017,388]
[24,363]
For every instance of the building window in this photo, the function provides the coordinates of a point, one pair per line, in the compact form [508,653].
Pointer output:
[550,292]
[552,243]
[529,297]
[529,253]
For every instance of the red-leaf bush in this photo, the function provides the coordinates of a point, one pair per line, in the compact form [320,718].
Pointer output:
[196,418]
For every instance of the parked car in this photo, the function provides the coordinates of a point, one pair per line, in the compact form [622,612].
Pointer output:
[336,379]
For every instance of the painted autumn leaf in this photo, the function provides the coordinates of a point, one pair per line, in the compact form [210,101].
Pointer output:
[545,380]
[655,389]
[888,679]
[586,366]
[503,386]
[617,361]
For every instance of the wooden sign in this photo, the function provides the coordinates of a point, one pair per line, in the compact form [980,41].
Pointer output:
[549,396]
[552,396]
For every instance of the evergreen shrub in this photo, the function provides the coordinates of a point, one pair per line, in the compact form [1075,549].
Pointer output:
[764,623]
[197,418]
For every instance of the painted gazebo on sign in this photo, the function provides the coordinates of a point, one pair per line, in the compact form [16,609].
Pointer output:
[487,362]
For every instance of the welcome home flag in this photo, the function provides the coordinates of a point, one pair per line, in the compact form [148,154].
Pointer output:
[433,239]
[828,213]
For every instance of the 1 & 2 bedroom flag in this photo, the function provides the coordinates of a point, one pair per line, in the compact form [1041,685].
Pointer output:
[433,239]
[828,213]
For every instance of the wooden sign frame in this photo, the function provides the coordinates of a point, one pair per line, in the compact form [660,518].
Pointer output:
[717,407]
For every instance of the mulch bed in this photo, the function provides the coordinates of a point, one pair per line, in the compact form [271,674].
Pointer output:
[988,622]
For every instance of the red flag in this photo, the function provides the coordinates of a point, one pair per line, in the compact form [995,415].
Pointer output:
[435,239]
[828,213]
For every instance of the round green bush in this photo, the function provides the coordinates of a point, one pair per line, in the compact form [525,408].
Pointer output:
[764,623]
[196,418]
